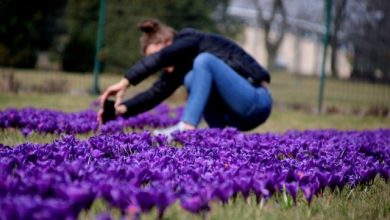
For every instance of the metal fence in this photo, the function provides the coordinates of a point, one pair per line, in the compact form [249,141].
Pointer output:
[334,54]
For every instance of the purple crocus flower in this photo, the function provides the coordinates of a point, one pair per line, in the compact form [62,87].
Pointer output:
[195,204]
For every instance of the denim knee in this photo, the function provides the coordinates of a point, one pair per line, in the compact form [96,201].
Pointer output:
[203,60]
[188,80]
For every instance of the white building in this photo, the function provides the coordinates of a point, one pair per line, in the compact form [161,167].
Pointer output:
[302,48]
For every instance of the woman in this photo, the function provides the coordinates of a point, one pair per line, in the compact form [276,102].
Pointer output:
[225,85]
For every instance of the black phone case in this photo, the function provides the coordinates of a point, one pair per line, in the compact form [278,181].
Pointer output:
[108,111]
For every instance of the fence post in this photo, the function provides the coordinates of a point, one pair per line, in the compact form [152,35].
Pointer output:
[326,42]
[99,44]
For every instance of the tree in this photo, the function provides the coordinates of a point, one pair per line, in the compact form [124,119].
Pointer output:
[229,25]
[24,30]
[81,25]
[368,35]
[271,45]
[338,17]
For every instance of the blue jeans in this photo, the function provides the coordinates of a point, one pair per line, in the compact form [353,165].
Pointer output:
[223,97]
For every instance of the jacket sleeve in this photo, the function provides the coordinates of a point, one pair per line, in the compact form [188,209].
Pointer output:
[144,101]
[179,51]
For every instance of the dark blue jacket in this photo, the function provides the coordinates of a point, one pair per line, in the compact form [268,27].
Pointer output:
[186,45]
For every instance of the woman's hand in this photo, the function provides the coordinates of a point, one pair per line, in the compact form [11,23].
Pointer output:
[117,90]
[100,116]
[265,85]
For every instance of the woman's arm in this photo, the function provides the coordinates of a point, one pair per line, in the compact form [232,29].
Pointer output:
[144,101]
[116,90]
[181,50]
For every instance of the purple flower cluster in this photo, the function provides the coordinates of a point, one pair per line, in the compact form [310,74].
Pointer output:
[48,121]
[161,116]
[136,172]
[58,122]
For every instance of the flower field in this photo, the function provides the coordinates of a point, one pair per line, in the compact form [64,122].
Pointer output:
[57,122]
[124,165]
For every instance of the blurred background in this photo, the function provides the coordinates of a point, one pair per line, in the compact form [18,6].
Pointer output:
[328,56]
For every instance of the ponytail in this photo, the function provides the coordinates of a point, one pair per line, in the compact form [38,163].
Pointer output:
[154,32]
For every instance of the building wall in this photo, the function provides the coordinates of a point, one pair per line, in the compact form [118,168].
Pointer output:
[297,54]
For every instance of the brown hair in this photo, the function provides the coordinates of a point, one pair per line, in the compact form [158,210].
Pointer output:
[154,32]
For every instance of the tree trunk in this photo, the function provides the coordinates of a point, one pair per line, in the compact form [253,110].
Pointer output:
[272,46]
[272,52]
[338,19]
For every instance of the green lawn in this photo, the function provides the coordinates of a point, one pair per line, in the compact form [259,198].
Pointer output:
[363,202]
[287,89]
[346,96]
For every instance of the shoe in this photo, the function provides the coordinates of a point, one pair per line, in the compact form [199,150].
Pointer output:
[108,111]
[168,131]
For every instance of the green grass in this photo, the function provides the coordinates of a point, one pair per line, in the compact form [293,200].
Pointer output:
[342,94]
[363,202]
[287,89]
[67,103]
